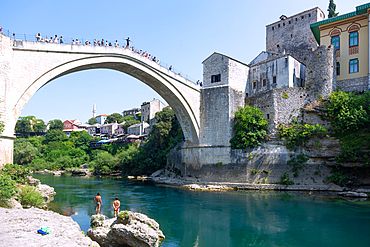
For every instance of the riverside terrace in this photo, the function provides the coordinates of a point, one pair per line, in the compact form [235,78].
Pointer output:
[62,40]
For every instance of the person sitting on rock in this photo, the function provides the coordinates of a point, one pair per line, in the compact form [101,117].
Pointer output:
[98,201]
[116,205]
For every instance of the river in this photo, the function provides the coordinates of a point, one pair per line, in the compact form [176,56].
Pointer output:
[232,218]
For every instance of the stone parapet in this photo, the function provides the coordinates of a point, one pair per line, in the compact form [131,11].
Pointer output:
[353,85]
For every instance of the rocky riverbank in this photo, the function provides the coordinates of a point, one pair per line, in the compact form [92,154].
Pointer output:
[19,228]
[166,177]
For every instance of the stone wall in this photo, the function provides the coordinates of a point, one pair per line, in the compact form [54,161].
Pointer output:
[270,162]
[217,109]
[353,85]
[320,71]
[293,33]
[280,106]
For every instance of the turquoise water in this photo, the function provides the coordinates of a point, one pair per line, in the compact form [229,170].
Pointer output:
[236,218]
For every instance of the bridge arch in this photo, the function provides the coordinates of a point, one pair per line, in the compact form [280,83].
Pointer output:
[160,82]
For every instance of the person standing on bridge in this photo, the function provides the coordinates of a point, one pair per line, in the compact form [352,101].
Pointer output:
[38,37]
[128,42]
[61,40]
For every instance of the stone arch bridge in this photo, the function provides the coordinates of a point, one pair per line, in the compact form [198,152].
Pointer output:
[26,66]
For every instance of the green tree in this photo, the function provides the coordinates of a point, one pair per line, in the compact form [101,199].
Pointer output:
[56,124]
[138,116]
[331,9]
[104,162]
[55,135]
[349,117]
[115,117]
[165,135]
[250,128]
[39,126]
[129,117]
[24,152]
[7,189]
[23,126]
[92,121]
[83,141]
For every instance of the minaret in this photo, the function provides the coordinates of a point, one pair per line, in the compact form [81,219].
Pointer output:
[94,110]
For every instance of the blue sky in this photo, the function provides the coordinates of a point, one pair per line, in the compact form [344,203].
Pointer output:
[181,33]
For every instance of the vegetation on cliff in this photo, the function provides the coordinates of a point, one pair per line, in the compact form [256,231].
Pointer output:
[250,128]
[349,117]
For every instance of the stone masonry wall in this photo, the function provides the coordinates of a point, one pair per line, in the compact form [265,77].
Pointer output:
[320,71]
[353,85]
[280,106]
[214,116]
[293,33]
[6,58]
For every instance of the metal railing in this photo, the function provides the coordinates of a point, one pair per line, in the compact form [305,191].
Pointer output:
[32,37]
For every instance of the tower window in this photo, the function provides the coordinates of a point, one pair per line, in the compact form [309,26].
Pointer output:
[272,28]
[264,83]
[290,22]
[278,25]
[215,78]
[254,84]
[274,79]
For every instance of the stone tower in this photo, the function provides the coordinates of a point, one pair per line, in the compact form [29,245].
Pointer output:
[293,34]
[94,110]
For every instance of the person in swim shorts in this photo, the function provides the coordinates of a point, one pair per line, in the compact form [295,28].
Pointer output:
[98,202]
[116,205]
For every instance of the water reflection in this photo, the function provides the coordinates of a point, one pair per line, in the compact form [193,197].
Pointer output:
[234,218]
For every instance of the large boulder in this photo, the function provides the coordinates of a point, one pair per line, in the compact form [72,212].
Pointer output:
[19,228]
[47,192]
[32,181]
[139,231]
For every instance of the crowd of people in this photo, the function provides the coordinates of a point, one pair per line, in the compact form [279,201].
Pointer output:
[102,42]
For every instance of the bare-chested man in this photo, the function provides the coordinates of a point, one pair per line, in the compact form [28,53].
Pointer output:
[116,205]
[98,202]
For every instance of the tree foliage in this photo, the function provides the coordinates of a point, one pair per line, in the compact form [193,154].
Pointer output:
[129,123]
[331,9]
[165,135]
[92,121]
[56,124]
[297,134]
[250,128]
[349,116]
[24,152]
[114,118]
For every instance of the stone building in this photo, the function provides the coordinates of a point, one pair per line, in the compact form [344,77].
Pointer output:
[291,74]
[349,34]
[131,112]
[149,109]
[293,34]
